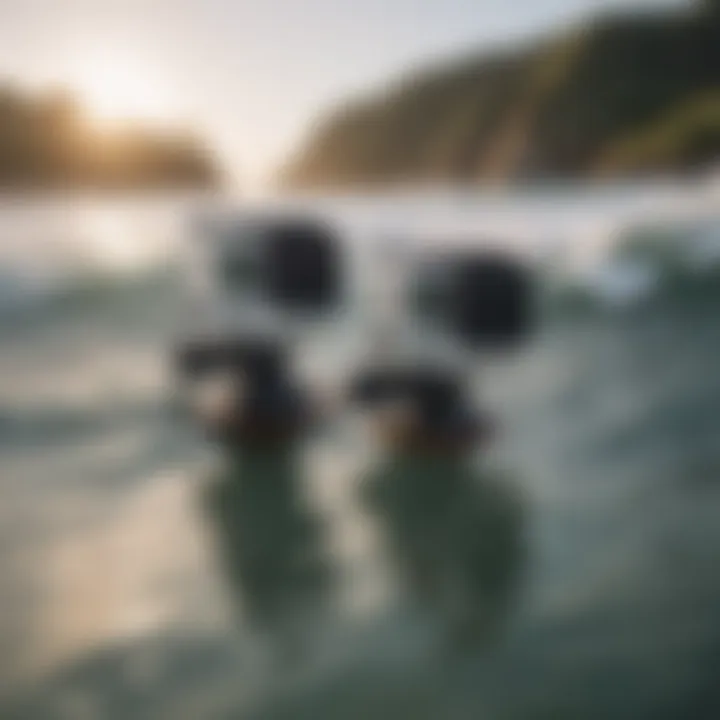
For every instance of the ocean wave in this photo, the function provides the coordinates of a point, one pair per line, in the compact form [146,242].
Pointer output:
[57,423]
[646,263]
[26,302]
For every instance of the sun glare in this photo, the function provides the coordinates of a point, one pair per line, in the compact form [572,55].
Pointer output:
[122,92]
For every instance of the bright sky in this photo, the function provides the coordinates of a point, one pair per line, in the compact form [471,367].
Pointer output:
[251,74]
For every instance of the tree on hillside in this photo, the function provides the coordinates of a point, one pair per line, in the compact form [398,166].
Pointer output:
[46,141]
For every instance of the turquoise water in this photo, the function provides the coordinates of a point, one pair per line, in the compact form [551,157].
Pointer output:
[113,605]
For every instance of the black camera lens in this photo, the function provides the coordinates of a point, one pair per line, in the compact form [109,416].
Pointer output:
[294,264]
[302,266]
[492,301]
[479,298]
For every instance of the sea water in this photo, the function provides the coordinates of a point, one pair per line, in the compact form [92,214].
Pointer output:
[112,603]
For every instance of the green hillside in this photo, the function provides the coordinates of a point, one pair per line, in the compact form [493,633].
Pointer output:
[46,142]
[622,96]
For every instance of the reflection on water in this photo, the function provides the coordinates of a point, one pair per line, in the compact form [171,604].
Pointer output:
[119,578]
[271,546]
[114,606]
[455,537]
